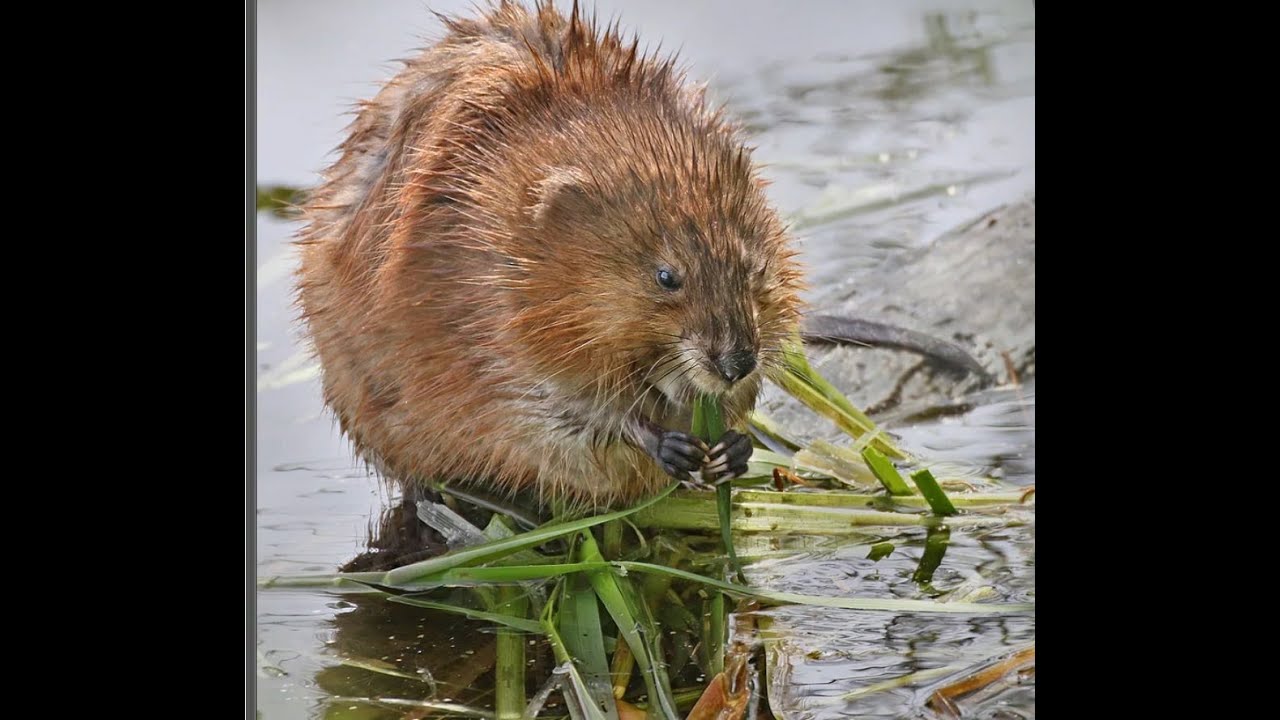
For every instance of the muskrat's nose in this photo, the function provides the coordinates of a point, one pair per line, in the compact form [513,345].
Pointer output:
[736,365]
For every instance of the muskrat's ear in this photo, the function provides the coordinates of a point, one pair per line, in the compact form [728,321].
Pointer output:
[561,188]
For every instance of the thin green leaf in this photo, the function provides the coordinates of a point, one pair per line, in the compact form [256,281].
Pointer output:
[880,551]
[635,626]
[717,633]
[885,472]
[809,387]
[708,424]
[834,498]
[504,574]
[931,491]
[576,695]
[509,672]
[792,519]
[769,596]
[579,621]
[492,550]
[611,536]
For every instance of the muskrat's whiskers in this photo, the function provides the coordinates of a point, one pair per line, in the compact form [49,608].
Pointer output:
[668,357]
[622,386]
[677,357]
[680,370]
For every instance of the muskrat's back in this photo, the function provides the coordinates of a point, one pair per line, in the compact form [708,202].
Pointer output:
[536,247]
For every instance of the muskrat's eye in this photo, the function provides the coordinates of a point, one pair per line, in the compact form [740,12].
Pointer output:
[667,278]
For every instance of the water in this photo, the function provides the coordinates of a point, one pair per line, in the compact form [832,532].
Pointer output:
[921,113]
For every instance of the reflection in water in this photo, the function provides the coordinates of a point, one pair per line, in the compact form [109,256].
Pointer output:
[935,547]
[388,650]
[903,77]
[945,61]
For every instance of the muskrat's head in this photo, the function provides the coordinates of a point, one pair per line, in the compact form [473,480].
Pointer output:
[663,266]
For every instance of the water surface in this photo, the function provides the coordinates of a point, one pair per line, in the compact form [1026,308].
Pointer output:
[921,113]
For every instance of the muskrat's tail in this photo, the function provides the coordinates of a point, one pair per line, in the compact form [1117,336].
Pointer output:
[856,331]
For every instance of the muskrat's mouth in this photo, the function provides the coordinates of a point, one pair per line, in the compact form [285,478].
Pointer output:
[681,388]
[680,377]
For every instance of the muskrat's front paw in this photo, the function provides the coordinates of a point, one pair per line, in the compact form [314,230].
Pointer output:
[728,459]
[680,454]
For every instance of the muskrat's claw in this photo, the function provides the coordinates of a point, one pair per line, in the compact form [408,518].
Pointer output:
[728,459]
[680,453]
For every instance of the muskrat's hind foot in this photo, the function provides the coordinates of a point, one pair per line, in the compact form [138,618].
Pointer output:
[680,454]
[728,459]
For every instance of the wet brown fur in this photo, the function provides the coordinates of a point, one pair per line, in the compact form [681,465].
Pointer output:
[478,266]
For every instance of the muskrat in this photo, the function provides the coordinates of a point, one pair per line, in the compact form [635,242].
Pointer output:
[537,247]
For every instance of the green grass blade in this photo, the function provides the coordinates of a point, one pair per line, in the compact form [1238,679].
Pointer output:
[579,621]
[795,359]
[724,509]
[768,596]
[708,424]
[599,566]
[510,698]
[717,633]
[499,529]
[931,491]
[879,551]
[796,518]
[492,550]
[611,536]
[885,472]
[574,688]
[835,498]
[504,574]
[766,426]
[821,405]
[635,626]
[809,387]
